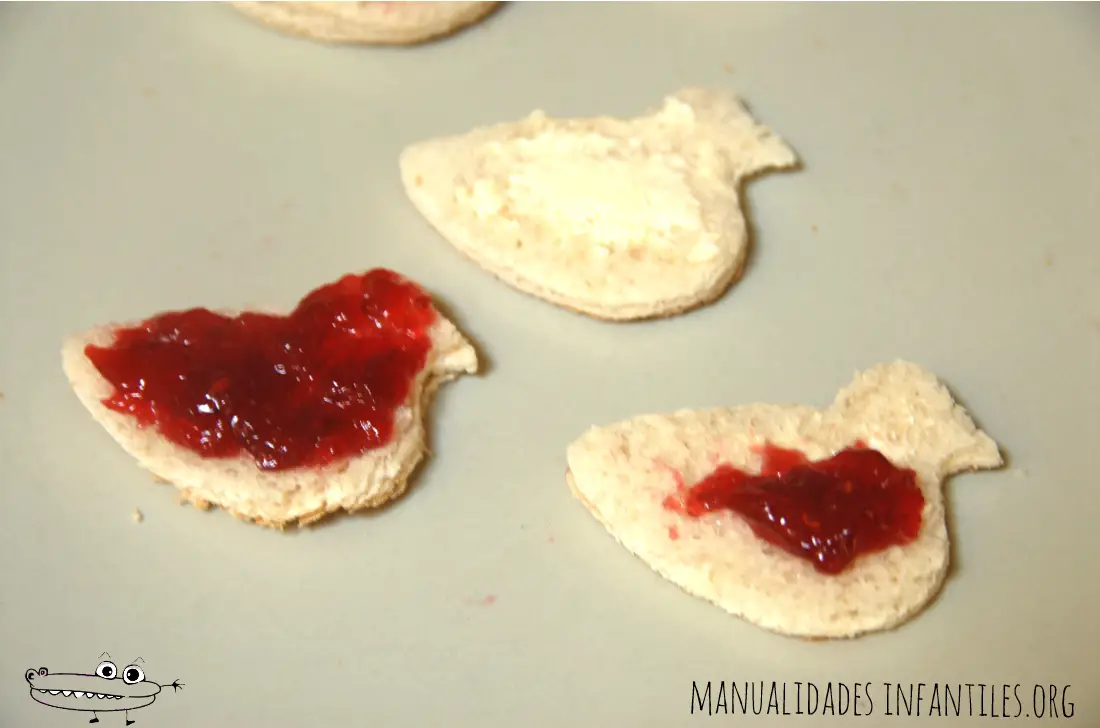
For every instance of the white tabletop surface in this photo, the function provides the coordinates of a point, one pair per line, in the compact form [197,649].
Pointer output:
[160,156]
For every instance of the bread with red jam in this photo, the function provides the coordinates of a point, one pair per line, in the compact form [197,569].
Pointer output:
[246,460]
[368,23]
[815,523]
[617,219]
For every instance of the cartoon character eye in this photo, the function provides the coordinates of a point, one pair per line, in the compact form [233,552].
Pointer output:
[132,674]
[107,670]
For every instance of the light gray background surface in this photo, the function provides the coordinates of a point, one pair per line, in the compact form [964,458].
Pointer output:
[164,156]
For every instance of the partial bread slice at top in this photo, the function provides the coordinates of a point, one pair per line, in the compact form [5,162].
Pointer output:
[372,23]
[279,498]
[623,472]
[616,219]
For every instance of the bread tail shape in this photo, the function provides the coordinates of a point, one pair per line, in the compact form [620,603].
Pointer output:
[815,523]
[277,419]
[618,219]
[367,23]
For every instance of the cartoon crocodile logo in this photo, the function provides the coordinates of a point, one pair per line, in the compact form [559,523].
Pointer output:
[107,691]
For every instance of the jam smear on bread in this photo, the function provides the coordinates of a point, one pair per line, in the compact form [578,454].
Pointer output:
[828,512]
[306,389]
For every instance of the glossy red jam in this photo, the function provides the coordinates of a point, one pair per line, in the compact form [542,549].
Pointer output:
[302,390]
[828,512]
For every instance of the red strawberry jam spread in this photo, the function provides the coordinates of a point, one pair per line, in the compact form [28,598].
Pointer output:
[302,390]
[828,512]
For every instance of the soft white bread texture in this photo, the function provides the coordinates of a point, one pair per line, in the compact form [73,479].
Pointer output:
[281,498]
[622,473]
[372,23]
[617,219]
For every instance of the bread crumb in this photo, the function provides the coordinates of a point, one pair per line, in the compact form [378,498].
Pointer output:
[1048,260]
[813,228]
[148,92]
[186,498]
[727,67]
[550,538]
[138,516]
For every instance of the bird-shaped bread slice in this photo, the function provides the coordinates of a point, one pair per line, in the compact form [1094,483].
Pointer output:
[758,548]
[617,219]
[218,403]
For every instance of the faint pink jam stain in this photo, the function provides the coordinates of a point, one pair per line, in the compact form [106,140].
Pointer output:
[677,477]
[674,500]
